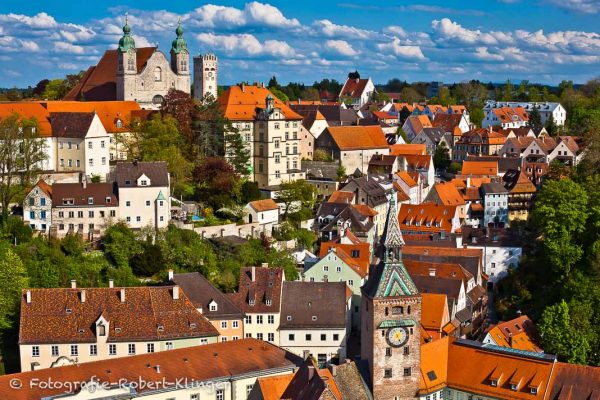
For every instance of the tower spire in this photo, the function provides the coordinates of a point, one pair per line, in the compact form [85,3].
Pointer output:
[126,43]
[179,44]
[393,235]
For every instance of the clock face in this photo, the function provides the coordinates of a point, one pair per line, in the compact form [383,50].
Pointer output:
[397,336]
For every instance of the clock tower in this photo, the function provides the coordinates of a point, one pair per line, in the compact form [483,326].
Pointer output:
[206,67]
[391,317]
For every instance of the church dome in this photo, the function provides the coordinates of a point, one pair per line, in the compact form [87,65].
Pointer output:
[126,42]
[179,44]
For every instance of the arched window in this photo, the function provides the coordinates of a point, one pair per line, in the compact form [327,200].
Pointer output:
[183,65]
[158,99]
[130,64]
[157,74]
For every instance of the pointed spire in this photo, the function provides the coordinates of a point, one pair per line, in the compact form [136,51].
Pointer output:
[393,235]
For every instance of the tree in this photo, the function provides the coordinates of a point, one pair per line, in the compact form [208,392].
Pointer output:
[551,126]
[120,244]
[40,87]
[279,94]
[310,94]
[341,173]
[507,91]
[476,115]
[441,158]
[273,83]
[400,132]
[404,114]
[300,192]
[14,278]
[559,337]
[21,153]
[158,139]
[180,106]
[237,152]
[210,128]
[409,95]
[149,261]
[322,155]
[216,182]
[535,120]
[559,214]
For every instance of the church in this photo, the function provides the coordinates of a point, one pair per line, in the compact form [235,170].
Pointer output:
[144,75]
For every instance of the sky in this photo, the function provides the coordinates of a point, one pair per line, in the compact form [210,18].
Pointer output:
[543,41]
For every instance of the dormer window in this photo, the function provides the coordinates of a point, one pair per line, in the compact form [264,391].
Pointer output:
[289,317]
[117,330]
[494,382]
[69,311]
[101,330]
[251,302]
[314,317]
[107,199]
[161,328]
[90,200]
[128,182]
[514,386]
[212,306]
[533,390]
[193,325]
[269,302]
[143,182]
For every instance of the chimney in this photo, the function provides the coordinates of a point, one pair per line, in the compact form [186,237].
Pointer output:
[84,181]
[176,292]
[157,368]
[73,284]
[265,265]
[243,87]
[253,273]
[82,295]
[170,275]
[333,369]
[510,339]
[111,283]
[487,231]
[28,296]
[123,295]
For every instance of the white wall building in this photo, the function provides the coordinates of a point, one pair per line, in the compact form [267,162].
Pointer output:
[545,108]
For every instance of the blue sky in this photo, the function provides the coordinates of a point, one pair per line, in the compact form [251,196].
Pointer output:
[540,40]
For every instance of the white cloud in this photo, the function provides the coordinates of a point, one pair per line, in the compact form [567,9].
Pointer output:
[579,6]
[329,29]
[225,18]
[38,21]
[396,31]
[68,48]
[341,47]
[401,51]
[482,53]
[248,44]
[268,15]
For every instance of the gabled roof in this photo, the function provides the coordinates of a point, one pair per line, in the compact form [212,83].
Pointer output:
[418,122]
[493,187]
[484,168]
[29,110]
[448,194]
[263,205]
[109,112]
[434,366]
[447,121]
[510,114]
[71,124]
[406,178]
[519,333]
[518,182]
[60,316]
[418,161]
[100,82]
[201,293]
[127,173]
[408,149]
[357,255]
[44,187]
[231,359]
[354,87]
[358,137]
[239,103]
[261,294]
[427,217]
[303,305]
[434,311]
[311,383]
[75,194]
[340,196]
[571,382]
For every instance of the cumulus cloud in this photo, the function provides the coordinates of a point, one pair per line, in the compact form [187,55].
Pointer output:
[579,6]
[68,48]
[401,51]
[248,44]
[341,47]
[329,29]
[38,21]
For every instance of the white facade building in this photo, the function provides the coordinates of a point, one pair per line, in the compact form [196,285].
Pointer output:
[545,108]
[206,68]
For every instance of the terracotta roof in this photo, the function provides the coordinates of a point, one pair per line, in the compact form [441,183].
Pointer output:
[340,196]
[44,187]
[447,121]
[365,210]
[309,383]
[481,137]
[357,256]
[418,122]
[71,124]
[29,110]
[407,149]
[240,105]
[418,161]
[448,194]
[202,293]
[426,217]
[60,315]
[127,173]
[406,178]
[459,109]
[302,305]
[434,311]
[437,108]
[272,387]
[443,270]
[518,182]
[401,196]
[384,115]
[263,205]
[75,195]
[519,333]
[100,82]
[434,284]
[488,168]
[572,382]
[109,112]
[261,294]
[509,114]
[353,87]
[358,137]
[207,363]
[434,366]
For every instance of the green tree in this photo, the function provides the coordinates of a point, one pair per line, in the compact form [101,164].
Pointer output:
[507,91]
[322,155]
[298,195]
[476,115]
[559,337]
[216,182]
[551,126]
[535,119]
[14,278]
[341,173]
[310,94]
[441,157]
[279,94]
[120,244]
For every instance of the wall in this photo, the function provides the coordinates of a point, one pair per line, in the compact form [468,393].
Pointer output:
[252,329]
[315,346]
[138,197]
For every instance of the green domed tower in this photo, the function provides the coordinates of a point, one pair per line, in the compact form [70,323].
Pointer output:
[180,55]
[126,42]
[127,64]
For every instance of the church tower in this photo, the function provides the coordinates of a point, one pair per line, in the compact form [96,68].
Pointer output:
[126,65]
[391,317]
[180,59]
[205,76]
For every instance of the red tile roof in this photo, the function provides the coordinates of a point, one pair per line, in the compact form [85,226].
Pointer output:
[362,260]
[263,205]
[60,315]
[406,178]
[358,137]
[353,87]
[75,195]
[261,294]
[407,149]
[447,121]
[418,161]
[109,112]
[339,196]
[239,104]
[448,194]
[519,333]
[29,110]
[426,217]
[483,168]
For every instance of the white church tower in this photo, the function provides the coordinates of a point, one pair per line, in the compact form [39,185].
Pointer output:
[205,76]
[127,65]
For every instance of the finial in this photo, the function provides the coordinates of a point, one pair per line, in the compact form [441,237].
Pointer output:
[126,17]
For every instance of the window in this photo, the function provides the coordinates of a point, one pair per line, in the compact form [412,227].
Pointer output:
[138,218]
[277,174]
[79,214]
[32,201]
[325,268]
[35,351]
[131,348]
[112,349]
[203,341]
[336,337]
[259,319]
[338,269]
[128,204]
[350,282]
[212,307]
[407,371]
[150,348]
[144,182]
[291,337]
[248,319]
[90,145]
[169,345]
[113,213]
[91,162]
[308,337]
[234,324]
[268,302]
[271,337]
[147,203]
[388,351]
[270,319]
[195,396]
[277,158]
[387,373]
[249,389]
[103,160]
[74,350]
[54,350]
[323,337]
[157,74]
[93,350]
[406,350]
[223,324]
[259,336]
[31,214]
[513,387]
[158,99]
[220,394]
[235,337]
